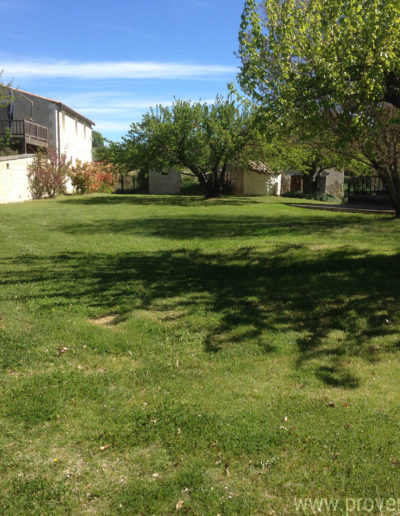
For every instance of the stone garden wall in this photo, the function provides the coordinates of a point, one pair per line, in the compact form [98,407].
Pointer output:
[14,184]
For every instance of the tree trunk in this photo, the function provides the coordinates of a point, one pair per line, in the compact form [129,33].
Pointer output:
[314,183]
[391,180]
[211,190]
[311,177]
[214,182]
[211,183]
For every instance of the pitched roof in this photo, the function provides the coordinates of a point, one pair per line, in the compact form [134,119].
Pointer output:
[59,104]
[261,168]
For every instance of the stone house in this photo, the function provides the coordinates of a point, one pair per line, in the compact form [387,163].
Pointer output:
[39,122]
[34,122]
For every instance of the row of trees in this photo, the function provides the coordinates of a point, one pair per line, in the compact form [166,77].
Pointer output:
[330,70]
[321,87]
[203,140]
[195,137]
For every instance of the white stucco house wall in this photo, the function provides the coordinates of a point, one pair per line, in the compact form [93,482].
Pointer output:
[39,122]
[68,132]
[255,179]
[255,183]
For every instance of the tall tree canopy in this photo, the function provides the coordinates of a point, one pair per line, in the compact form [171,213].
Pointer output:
[99,145]
[202,138]
[331,68]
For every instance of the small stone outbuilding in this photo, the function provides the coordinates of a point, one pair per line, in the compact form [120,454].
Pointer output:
[168,183]
[330,181]
[255,179]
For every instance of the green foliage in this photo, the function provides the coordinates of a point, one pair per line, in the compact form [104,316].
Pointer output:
[95,176]
[306,58]
[115,153]
[6,146]
[330,69]
[99,146]
[190,185]
[254,347]
[48,174]
[316,196]
[4,91]
[199,137]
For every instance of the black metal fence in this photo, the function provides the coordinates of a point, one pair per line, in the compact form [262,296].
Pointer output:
[367,188]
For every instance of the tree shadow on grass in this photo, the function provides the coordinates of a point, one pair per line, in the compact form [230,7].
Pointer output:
[334,303]
[155,200]
[209,226]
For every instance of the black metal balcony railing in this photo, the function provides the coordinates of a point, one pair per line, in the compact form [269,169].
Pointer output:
[29,131]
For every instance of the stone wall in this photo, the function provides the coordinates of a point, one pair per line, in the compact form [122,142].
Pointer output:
[236,176]
[164,184]
[14,184]
[332,182]
[285,183]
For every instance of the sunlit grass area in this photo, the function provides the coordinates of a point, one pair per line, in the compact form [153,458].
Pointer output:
[170,354]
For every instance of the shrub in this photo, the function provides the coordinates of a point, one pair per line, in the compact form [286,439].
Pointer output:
[80,177]
[316,196]
[92,177]
[6,144]
[48,174]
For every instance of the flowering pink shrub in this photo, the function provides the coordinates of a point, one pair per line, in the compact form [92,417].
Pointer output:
[48,174]
[96,176]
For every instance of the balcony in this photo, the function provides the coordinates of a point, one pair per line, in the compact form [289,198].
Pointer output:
[26,133]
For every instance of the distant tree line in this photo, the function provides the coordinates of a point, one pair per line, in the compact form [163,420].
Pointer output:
[320,87]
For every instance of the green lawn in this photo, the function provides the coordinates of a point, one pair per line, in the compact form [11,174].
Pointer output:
[169,354]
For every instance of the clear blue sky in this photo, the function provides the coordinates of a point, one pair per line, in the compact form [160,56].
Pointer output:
[111,60]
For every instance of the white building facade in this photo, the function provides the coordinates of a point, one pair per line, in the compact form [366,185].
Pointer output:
[68,132]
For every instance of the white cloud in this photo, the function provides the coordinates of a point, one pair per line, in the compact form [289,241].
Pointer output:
[114,70]
[117,117]
[112,126]
[123,107]
[113,107]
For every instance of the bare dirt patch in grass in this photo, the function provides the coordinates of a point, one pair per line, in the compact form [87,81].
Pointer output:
[106,320]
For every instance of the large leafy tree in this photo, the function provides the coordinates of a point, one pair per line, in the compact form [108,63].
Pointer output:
[5,96]
[329,68]
[99,146]
[198,137]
